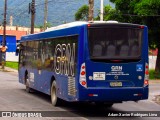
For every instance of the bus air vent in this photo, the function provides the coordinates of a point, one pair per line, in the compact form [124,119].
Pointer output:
[71,86]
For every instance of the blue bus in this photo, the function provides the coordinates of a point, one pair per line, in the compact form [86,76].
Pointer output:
[101,62]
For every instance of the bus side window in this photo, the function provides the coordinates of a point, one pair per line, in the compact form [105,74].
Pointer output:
[97,50]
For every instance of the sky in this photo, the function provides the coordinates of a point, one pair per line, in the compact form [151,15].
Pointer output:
[58,11]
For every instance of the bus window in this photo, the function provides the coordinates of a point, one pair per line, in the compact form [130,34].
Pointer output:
[118,43]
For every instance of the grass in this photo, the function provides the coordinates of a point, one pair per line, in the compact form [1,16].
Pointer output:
[151,74]
[13,65]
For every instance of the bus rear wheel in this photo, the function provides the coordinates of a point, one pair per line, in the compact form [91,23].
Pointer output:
[54,99]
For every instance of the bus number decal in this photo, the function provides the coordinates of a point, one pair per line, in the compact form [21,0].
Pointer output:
[116,68]
[65,59]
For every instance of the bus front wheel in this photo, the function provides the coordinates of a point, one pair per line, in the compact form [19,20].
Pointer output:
[28,89]
[54,99]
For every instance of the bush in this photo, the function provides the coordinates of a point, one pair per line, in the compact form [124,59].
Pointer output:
[154,75]
[151,74]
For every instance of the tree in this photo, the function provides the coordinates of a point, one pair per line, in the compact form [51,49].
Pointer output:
[125,11]
[142,12]
[145,12]
[150,9]
[82,13]
[109,13]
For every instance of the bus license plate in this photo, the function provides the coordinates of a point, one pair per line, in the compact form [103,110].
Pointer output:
[116,84]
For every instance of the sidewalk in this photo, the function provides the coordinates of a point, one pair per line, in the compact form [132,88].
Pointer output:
[157,99]
[7,69]
[154,81]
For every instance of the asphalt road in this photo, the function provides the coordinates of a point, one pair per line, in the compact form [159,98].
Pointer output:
[13,97]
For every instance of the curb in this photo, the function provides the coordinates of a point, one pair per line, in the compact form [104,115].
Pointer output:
[7,69]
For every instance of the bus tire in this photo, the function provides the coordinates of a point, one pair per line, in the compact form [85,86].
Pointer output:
[103,104]
[108,105]
[28,89]
[54,99]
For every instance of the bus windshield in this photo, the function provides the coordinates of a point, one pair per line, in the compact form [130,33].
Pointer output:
[115,43]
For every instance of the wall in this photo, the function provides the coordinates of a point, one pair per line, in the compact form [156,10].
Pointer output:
[10,56]
[24,29]
[10,42]
[152,62]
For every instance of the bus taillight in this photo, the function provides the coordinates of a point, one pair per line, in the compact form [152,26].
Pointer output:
[146,82]
[82,73]
[142,27]
[82,78]
[146,79]
[147,72]
[83,83]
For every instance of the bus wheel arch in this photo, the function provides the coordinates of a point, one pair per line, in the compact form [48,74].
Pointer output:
[53,92]
[52,79]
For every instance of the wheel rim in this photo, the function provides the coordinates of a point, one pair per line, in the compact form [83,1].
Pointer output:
[27,83]
[53,95]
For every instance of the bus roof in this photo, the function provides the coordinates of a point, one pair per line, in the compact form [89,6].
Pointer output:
[76,23]
[72,26]
[68,25]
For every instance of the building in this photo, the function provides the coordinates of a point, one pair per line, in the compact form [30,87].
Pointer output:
[13,35]
[11,48]
[18,31]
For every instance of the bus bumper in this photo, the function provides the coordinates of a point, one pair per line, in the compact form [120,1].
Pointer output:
[113,94]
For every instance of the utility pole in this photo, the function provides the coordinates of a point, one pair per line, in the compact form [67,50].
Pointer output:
[11,21]
[3,48]
[45,14]
[91,9]
[32,16]
[101,14]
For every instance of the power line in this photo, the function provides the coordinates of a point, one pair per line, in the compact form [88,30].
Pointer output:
[55,2]
[23,12]
[12,10]
[21,3]
[44,3]
[138,15]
